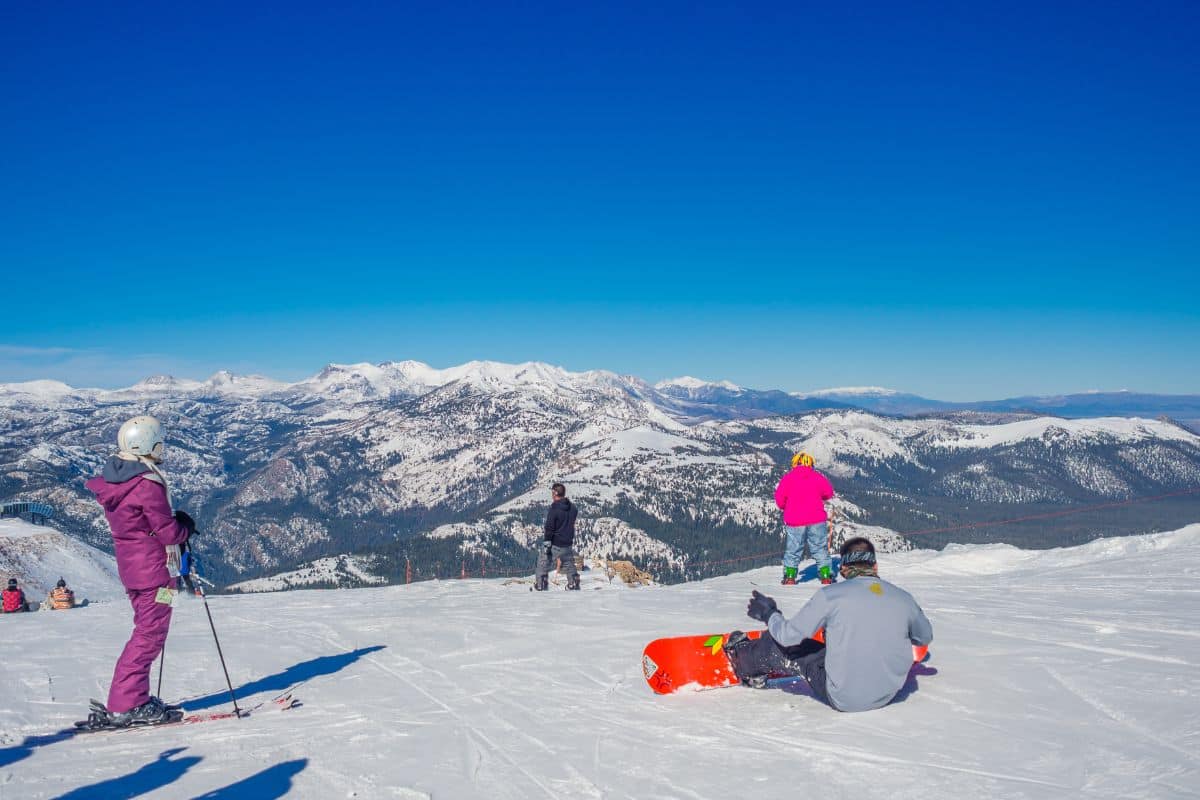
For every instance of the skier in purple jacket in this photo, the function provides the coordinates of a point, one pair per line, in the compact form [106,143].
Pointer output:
[146,533]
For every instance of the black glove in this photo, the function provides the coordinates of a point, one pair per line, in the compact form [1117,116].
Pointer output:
[185,519]
[761,607]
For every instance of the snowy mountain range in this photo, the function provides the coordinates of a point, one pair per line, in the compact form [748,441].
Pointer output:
[450,468]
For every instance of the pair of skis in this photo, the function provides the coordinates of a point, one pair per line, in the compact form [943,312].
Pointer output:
[177,715]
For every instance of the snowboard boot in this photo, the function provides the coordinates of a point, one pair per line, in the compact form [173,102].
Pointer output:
[737,644]
[541,583]
[789,576]
[826,575]
[573,583]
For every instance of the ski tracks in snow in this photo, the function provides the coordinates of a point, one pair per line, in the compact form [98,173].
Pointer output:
[1119,718]
[479,745]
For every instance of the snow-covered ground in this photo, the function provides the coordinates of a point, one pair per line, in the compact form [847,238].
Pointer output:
[1061,673]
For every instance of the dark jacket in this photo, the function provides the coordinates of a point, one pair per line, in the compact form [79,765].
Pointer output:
[560,522]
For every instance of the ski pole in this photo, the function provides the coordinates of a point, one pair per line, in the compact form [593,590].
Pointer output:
[236,711]
[162,658]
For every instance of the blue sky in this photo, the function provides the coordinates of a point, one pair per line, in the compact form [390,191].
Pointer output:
[969,201]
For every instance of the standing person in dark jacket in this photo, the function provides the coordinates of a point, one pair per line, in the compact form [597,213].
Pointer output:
[560,536]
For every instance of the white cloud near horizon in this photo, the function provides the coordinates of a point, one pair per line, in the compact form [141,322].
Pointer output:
[90,368]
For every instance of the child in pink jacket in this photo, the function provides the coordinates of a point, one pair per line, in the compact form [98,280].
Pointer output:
[137,504]
[801,496]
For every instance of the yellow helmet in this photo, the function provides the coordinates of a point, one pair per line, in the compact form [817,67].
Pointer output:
[802,459]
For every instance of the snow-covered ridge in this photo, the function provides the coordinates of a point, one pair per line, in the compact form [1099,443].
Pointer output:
[341,571]
[688,382]
[369,381]
[832,437]
[38,555]
[1050,429]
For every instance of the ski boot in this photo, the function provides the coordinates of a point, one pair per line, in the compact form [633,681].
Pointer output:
[151,712]
[789,576]
[826,575]
[573,583]
[541,583]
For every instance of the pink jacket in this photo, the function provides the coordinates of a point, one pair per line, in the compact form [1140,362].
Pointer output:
[801,495]
[142,526]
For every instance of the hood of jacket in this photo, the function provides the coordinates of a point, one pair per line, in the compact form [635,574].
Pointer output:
[116,481]
[123,470]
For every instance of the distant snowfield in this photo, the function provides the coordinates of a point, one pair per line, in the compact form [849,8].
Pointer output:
[1060,673]
[38,555]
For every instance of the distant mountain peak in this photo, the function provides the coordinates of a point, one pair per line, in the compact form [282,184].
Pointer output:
[688,382]
[850,391]
[164,383]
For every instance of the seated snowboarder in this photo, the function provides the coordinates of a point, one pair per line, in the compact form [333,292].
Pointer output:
[13,598]
[559,537]
[61,598]
[870,627]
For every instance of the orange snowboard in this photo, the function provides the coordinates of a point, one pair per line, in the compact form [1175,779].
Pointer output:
[692,661]
[699,662]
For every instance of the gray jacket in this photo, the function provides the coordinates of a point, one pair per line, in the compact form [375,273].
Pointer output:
[870,627]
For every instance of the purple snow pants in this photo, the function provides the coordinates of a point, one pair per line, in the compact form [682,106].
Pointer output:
[131,678]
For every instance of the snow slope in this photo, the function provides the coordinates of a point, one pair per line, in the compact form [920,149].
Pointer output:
[334,570]
[1060,673]
[38,555]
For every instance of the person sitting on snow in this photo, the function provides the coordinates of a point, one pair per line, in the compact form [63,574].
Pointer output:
[61,598]
[13,598]
[870,628]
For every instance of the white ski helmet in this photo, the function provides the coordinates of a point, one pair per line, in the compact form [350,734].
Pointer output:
[142,436]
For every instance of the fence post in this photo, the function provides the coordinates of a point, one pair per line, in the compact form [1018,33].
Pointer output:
[407,570]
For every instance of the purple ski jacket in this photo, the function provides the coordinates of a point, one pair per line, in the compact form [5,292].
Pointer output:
[141,521]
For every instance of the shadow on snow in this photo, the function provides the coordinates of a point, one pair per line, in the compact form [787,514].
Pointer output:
[164,770]
[17,752]
[273,782]
[293,675]
[290,677]
[797,684]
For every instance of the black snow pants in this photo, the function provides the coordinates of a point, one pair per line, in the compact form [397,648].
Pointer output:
[756,660]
